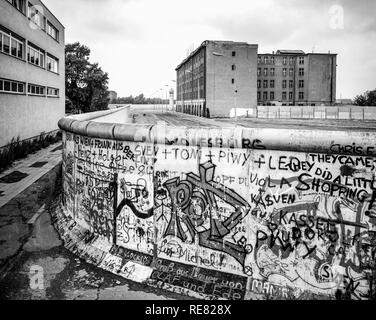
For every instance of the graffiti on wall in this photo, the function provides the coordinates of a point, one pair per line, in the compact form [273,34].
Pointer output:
[291,222]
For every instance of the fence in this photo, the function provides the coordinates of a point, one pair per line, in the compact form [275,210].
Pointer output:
[316,112]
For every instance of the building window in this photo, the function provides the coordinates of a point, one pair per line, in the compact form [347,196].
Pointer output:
[35,90]
[11,86]
[272,60]
[301,83]
[258,83]
[258,59]
[271,83]
[265,95]
[291,60]
[272,95]
[233,67]
[52,64]
[10,45]
[284,95]
[301,60]
[272,71]
[52,31]
[284,84]
[301,71]
[52,92]
[18,4]
[233,53]
[35,56]
[301,95]
[232,80]
[259,71]
[291,72]
[266,59]
[5,43]
[284,72]
[284,60]
[291,84]
[290,95]
[265,84]
[265,71]
[258,95]
[37,17]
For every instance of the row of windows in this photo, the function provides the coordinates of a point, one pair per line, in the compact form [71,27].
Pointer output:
[284,84]
[265,59]
[11,86]
[36,16]
[285,60]
[284,72]
[284,95]
[10,45]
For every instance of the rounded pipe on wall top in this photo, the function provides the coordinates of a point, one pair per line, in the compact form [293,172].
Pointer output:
[297,140]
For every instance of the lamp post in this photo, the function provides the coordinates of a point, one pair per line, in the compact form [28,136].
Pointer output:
[153,95]
[173,97]
[166,92]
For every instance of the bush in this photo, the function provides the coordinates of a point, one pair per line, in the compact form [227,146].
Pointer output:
[17,149]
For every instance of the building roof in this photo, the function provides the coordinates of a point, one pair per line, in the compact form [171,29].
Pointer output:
[296,52]
[290,52]
[205,43]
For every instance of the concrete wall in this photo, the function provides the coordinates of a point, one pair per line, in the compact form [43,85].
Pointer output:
[320,84]
[230,213]
[220,92]
[317,112]
[25,115]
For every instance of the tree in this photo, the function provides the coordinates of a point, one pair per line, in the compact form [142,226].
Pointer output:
[86,83]
[140,99]
[366,99]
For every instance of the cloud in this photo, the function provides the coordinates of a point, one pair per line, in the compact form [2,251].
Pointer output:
[140,42]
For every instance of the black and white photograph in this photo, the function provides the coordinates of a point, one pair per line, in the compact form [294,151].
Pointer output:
[188,154]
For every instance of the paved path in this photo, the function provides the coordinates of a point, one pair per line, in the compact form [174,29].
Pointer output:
[25,172]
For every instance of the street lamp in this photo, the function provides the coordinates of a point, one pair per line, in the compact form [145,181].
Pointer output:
[173,97]
[166,85]
[153,96]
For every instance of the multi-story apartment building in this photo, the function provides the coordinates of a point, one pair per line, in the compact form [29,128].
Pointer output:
[32,70]
[217,77]
[293,77]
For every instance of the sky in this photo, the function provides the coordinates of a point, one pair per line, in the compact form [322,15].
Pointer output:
[140,42]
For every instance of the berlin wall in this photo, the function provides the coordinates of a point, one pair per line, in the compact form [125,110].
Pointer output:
[222,214]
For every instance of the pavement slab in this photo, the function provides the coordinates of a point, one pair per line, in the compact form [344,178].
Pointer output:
[25,172]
